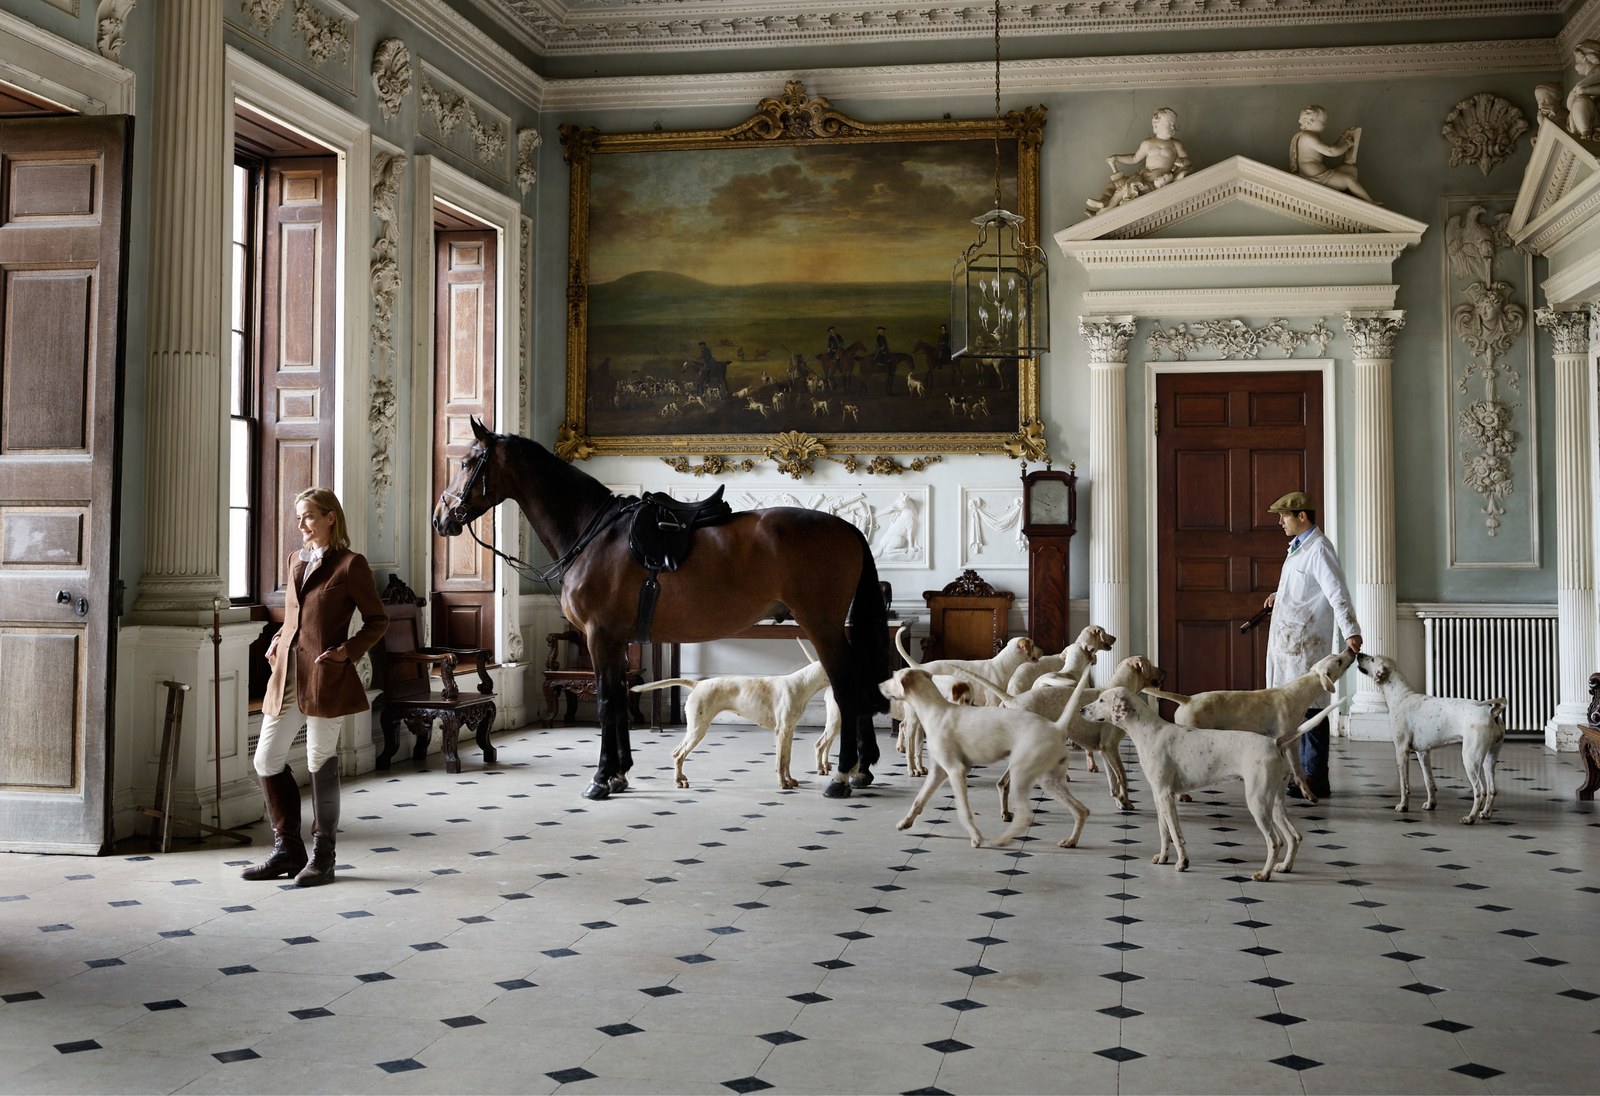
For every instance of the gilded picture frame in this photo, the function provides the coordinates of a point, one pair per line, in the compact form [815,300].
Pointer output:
[706,268]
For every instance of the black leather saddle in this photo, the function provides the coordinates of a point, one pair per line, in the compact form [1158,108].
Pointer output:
[660,538]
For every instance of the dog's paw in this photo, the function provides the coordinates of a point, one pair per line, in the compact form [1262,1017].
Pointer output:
[1159,858]
[683,781]
[1183,864]
[905,823]
[1258,876]
[1428,806]
[1068,843]
[977,840]
[1400,807]
[1467,820]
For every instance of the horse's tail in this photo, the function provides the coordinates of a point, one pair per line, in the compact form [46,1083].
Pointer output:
[869,633]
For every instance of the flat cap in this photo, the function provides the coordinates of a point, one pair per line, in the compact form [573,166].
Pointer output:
[1292,503]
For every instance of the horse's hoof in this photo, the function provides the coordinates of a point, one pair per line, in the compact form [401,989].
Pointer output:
[862,779]
[597,790]
[618,783]
[837,789]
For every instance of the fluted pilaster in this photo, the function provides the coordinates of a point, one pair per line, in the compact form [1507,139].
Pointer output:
[1575,587]
[1107,338]
[183,429]
[1371,565]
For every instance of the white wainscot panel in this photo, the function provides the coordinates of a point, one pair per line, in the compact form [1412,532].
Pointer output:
[991,529]
[893,519]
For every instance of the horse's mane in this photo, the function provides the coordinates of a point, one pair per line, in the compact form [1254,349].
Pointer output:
[566,477]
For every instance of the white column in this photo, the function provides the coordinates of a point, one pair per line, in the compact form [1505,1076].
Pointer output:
[1107,338]
[1370,567]
[1575,588]
[188,283]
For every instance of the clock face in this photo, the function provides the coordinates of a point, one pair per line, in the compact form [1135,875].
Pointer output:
[1047,503]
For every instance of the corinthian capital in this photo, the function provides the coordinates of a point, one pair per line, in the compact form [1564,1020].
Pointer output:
[1107,337]
[1569,330]
[1372,333]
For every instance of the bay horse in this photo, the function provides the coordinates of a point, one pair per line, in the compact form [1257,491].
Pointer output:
[787,560]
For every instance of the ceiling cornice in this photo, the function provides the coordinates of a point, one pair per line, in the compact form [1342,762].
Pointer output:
[590,27]
[437,18]
[1234,67]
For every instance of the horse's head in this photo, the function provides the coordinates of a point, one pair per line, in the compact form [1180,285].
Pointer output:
[470,493]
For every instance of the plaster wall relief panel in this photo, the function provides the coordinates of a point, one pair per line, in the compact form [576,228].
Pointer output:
[317,37]
[388,179]
[392,76]
[462,124]
[110,23]
[1490,395]
[991,529]
[893,519]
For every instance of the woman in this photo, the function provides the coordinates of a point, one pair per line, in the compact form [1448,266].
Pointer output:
[313,672]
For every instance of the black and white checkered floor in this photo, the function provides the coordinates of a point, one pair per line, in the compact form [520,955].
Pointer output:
[493,932]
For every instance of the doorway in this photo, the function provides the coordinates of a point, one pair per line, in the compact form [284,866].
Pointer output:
[1227,445]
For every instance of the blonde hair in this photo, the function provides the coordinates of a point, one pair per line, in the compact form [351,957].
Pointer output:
[325,500]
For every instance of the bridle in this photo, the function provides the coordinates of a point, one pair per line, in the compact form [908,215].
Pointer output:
[476,464]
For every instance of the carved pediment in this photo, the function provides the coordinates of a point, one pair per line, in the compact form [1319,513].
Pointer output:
[1560,192]
[1258,236]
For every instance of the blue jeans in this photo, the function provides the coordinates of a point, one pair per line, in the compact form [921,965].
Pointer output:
[1314,754]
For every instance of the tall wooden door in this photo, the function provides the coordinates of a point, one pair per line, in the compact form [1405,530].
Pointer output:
[1228,445]
[464,361]
[62,239]
[298,349]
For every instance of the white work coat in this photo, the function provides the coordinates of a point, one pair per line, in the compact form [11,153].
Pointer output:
[1311,602]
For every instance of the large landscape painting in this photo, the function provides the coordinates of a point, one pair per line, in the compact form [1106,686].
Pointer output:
[732,285]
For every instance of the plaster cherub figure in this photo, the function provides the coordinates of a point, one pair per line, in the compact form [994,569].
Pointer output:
[1307,153]
[1549,99]
[1583,99]
[1161,159]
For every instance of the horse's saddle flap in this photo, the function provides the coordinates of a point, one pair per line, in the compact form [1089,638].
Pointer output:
[663,527]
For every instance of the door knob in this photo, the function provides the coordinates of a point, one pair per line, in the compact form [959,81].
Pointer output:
[65,597]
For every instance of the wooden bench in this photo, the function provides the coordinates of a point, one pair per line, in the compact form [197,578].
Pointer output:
[405,672]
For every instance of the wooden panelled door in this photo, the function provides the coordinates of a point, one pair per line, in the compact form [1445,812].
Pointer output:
[464,369]
[1228,445]
[299,345]
[62,239]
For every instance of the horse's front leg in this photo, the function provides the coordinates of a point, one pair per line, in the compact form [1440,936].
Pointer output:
[616,748]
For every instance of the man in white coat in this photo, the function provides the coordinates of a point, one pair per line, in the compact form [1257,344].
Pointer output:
[1311,601]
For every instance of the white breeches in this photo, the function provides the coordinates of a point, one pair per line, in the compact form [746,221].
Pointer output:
[278,731]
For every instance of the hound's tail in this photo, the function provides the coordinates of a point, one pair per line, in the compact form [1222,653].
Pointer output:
[900,645]
[1162,694]
[1289,737]
[669,683]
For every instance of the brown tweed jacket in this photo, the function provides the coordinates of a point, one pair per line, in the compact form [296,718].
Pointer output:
[316,618]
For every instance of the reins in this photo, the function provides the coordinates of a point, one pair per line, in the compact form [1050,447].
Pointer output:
[552,574]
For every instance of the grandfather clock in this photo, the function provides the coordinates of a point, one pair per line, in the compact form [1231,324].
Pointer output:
[1049,518]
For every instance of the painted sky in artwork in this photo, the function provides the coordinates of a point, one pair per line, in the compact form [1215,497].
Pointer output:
[747,215]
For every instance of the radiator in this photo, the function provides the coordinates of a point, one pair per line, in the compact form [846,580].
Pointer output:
[1491,651]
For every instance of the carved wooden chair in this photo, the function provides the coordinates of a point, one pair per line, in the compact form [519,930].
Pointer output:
[568,672]
[1589,742]
[405,669]
[967,619]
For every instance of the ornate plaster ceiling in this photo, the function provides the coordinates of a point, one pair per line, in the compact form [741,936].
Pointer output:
[551,28]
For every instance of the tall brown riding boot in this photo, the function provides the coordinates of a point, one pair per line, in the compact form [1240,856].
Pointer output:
[324,824]
[288,856]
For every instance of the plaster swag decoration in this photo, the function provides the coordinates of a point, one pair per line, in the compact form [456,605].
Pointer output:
[387,170]
[1235,339]
[451,111]
[110,20]
[528,142]
[1483,129]
[980,517]
[263,13]
[1487,322]
[795,453]
[514,648]
[391,75]
[324,35]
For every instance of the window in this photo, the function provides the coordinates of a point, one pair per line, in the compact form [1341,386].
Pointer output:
[243,406]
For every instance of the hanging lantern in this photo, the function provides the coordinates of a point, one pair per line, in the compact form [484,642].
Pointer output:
[999,290]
